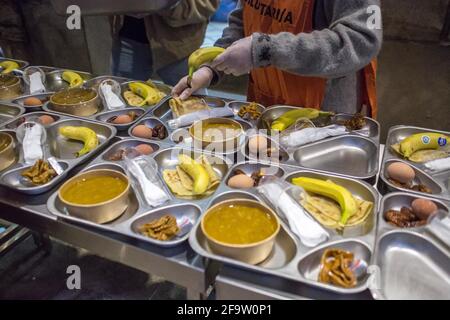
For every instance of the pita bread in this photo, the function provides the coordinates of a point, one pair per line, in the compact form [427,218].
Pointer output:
[328,212]
[190,105]
[423,156]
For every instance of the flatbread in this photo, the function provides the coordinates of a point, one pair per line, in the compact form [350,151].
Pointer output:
[192,104]
[173,181]
[185,179]
[328,212]
[423,156]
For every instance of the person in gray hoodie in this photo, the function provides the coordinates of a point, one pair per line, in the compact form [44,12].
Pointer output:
[306,53]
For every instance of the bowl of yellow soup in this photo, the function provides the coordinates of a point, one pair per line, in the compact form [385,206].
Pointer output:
[82,102]
[241,229]
[216,134]
[98,195]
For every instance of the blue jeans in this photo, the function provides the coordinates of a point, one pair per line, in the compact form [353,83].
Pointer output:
[132,59]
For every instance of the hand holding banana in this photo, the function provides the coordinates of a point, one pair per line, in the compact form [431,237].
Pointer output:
[236,60]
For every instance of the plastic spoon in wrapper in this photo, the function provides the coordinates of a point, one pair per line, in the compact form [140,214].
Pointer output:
[143,172]
[282,196]
[34,79]
[32,136]
[110,92]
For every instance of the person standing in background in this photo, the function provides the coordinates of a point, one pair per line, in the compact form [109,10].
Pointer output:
[13,37]
[306,53]
[160,42]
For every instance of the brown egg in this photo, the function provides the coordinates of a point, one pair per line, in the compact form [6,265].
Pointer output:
[423,208]
[241,181]
[142,131]
[257,143]
[122,119]
[46,119]
[145,149]
[32,102]
[401,172]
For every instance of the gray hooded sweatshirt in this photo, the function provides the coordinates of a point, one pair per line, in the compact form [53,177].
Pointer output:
[339,47]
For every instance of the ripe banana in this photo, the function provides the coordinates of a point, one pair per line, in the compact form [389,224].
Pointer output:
[330,190]
[150,93]
[73,78]
[196,171]
[88,136]
[201,56]
[289,117]
[421,141]
[9,66]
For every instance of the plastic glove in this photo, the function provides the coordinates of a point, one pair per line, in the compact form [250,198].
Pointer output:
[236,59]
[200,79]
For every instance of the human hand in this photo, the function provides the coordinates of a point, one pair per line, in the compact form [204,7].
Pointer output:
[236,59]
[200,79]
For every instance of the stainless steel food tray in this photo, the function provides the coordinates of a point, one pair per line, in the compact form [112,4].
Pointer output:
[9,112]
[138,211]
[92,83]
[274,112]
[439,182]
[352,155]
[108,7]
[61,149]
[290,259]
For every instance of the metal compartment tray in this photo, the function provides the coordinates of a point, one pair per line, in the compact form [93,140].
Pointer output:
[352,155]
[91,82]
[290,259]
[61,149]
[438,182]
[138,212]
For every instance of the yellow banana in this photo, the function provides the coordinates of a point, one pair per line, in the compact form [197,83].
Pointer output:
[289,117]
[151,95]
[330,190]
[88,136]
[201,56]
[73,78]
[196,171]
[421,141]
[9,66]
